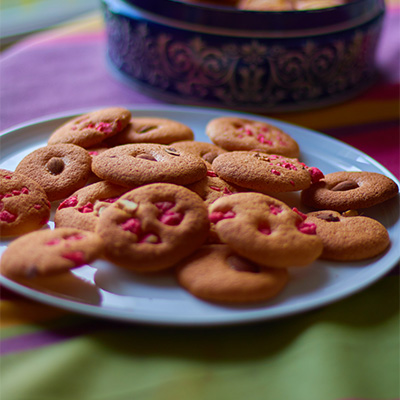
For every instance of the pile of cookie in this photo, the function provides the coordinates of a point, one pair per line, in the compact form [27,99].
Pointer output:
[141,193]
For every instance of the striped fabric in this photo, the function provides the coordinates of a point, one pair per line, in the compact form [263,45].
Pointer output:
[346,351]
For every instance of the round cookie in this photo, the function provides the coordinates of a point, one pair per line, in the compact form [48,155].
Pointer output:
[234,134]
[24,206]
[153,227]
[349,238]
[207,151]
[60,169]
[211,188]
[216,273]
[152,130]
[81,210]
[266,5]
[138,164]
[317,4]
[349,190]
[265,230]
[90,129]
[50,251]
[266,173]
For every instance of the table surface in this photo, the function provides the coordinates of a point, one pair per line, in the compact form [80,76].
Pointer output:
[346,350]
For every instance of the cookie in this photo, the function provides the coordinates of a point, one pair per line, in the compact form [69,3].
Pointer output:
[49,251]
[133,165]
[90,129]
[317,4]
[349,190]
[152,130]
[96,150]
[266,173]
[59,169]
[234,134]
[207,151]
[349,238]
[265,230]
[211,188]
[81,210]
[216,273]
[266,5]
[24,206]
[153,227]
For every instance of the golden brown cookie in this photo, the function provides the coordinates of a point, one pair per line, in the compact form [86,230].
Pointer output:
[50,251]
[59,169]
[317,4]
[217,273]
[207,151]
[152,130]
[211,188]
[153,227]
[133,165]
[265,230]
[267,5]
[349,238]
[81,210]
[237,134]
[349,190]
[266,173]
[90,129]
[24,206]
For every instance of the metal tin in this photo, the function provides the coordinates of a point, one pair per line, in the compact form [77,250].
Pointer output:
[247,60]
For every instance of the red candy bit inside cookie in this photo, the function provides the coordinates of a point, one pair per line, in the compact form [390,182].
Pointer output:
[217,216]
[164,205]
[275,209]
[6,216]
[77,257]
[168,217]
[287,165]
[104,127]
[87,208]
[307,227]
[316,174]
[171,218]
[111,199]
[70,202]
[262,139]
[132,225]
[264,229]
[75,236]
[53,242]
[298,212]
[211,174]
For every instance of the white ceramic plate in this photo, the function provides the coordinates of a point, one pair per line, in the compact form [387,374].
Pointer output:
[104,290]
